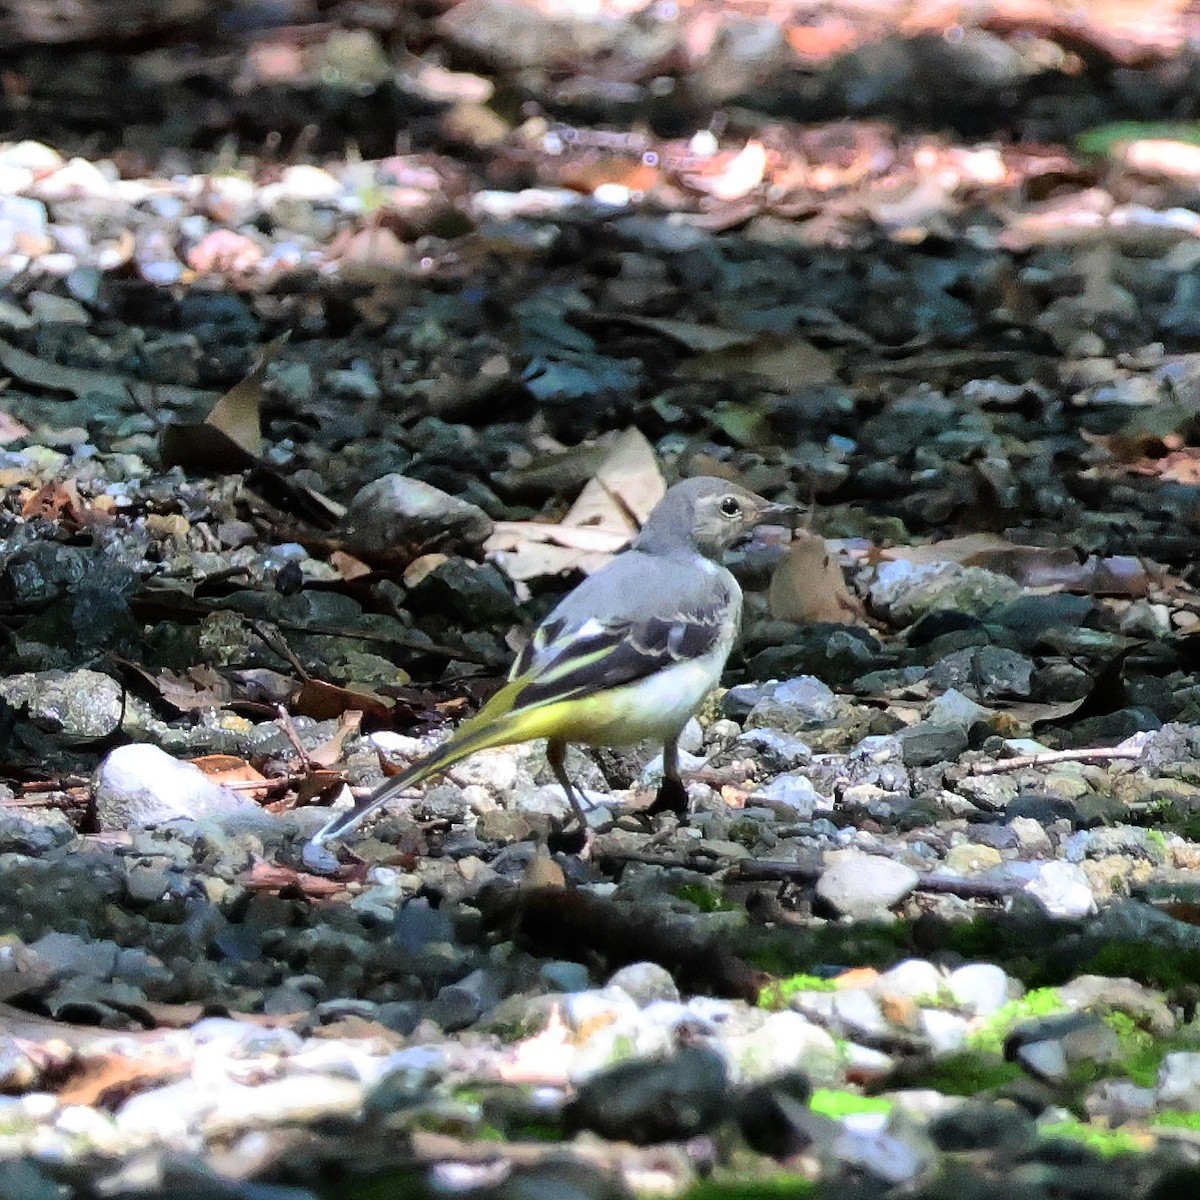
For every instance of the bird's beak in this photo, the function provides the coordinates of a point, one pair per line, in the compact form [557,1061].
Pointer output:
[778,514]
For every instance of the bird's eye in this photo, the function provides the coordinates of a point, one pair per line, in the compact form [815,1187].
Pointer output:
[731,507]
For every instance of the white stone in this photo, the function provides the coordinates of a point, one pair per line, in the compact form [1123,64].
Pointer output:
[140,785]
[1179,1080]
[860,885]
[1063,890]
[916,978]
[982,988]
[946,1031]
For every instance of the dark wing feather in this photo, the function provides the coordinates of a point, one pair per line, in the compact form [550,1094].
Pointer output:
[623,653]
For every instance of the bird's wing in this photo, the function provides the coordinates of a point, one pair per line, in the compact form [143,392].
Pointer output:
[613,631]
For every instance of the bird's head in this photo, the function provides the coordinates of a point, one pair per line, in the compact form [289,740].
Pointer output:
[709,516]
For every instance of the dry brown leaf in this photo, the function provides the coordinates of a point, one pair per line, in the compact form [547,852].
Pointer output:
[957,549]
[348,566]
[631,482]
[198,687]
[587,173]
[230,438]
[371,253]
[271,877]
[326,701]
[108,1079]
[524,553]
[315,787]
[734,177]
[542,871]
[691,335]
[422,567]
[79,382]
[166,1015]
[606,516]
[57,500]
[330,751]
[11,428]
[1056,568]
[808,585]
[225,251]
[784,363]
[228,769]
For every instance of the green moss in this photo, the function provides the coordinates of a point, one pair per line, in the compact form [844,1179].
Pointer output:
[965,1074]
[838,1104]
[536,1131]
[772,1187]
[989,1037]
[1177,1120]
[407,1183]
[1106,1142]
[778,993]
[1157,838]
[1156,966]
[979,938]
[1107,139]
[706,899]
[788,951]
[1141,1052]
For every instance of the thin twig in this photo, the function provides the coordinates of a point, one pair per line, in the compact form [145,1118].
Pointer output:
[1020,761]
[293,736]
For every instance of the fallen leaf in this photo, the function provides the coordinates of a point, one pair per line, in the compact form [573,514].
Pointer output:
[225,251]
[325,701]
[608,513]
[744,424]
[542,871]
[166,1015]
[808,585]
[227,769]
[731,178]
[1051,568]
[629,475]
[372,253]
[197,688]
[79,382]
[57,500]
[543,1058]
[271,877]
[230,438]
[106,1080]
[784,363]
[689,334]
[331,750]
[11,428]
[315,787]
[957,549]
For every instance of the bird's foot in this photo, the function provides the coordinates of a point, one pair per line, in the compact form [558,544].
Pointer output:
[572,837]
[672,797]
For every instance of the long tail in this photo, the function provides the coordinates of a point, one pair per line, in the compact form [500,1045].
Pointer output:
[483,732]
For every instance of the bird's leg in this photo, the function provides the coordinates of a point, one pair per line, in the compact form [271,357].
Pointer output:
[569,841]
[556,756]
[672,795]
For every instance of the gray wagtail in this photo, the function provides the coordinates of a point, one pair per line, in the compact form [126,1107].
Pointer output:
[629,654]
